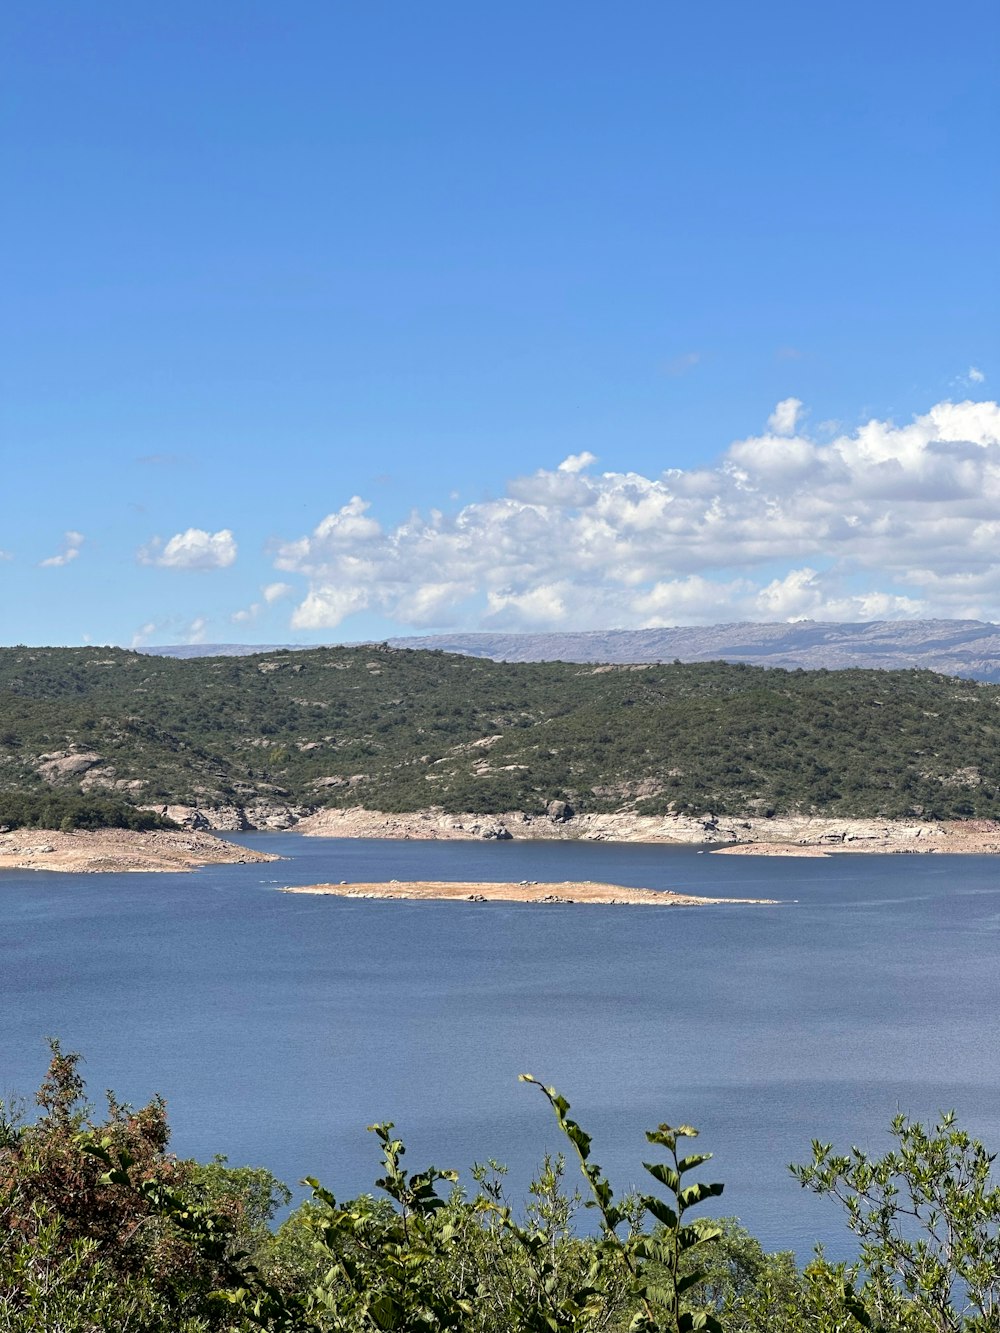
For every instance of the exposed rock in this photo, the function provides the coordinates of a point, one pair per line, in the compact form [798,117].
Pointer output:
[62,765]
[762,835]
[272,815]
[187,816]
[233,818]
[559,811]
[497,832]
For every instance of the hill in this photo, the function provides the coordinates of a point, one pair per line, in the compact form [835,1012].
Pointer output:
[403,730]
[954,647]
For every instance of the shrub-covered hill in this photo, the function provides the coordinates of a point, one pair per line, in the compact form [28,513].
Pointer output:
[401,730]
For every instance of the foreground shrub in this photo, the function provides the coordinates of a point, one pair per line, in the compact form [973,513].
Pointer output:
[102,1228]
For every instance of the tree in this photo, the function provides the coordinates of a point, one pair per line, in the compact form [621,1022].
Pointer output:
[928,1217]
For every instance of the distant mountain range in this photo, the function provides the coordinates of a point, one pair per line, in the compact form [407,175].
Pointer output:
[953,647]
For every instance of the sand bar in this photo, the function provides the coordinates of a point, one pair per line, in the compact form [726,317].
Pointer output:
[570,891]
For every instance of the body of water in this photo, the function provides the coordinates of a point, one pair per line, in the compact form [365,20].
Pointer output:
[278,1026]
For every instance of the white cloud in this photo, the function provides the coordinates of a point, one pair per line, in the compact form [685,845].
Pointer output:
[195,632]
[577,462]
[246,615]
[72,541]
[969,379]
[884,521]
[143,634]
[273,592]
[193,549]
[326,606]
[785,416]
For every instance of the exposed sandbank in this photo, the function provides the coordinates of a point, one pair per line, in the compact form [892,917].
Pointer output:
[571,891]
[118,850]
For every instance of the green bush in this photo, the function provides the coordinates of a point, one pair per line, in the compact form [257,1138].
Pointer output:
[101,1228]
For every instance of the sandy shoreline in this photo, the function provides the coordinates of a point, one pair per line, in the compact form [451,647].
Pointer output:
[120,850]
[186,848]
[524,891]
[781,835]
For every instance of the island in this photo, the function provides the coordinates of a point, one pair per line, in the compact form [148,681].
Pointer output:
[520,891]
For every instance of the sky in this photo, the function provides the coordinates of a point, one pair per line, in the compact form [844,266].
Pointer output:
[334,321]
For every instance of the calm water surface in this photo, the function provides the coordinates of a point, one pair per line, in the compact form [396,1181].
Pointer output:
[278,1026]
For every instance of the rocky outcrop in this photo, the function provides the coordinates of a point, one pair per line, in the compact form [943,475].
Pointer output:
[778,835]
[64,765]
[261,815]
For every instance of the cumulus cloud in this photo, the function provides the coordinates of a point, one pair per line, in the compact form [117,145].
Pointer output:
[975,375]
[883,521]
[273,592]
[193,549]
[70,549]
[785,416]
[577,462]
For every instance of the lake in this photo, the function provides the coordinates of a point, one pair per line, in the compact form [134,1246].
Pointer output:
[278,1026]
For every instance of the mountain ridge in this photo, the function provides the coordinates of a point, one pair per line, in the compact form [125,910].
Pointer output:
[969,648]
[91,734]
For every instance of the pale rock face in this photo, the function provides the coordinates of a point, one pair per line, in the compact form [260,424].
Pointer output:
[271,815]
[559,811]
[62,765]
[758,835]
[232,818]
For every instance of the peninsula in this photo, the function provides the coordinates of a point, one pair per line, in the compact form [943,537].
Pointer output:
[113,850]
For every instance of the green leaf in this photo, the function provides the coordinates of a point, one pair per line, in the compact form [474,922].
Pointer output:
[665,1174]
[660,1210]
[695,1194]
[696,1159]
[385,1312]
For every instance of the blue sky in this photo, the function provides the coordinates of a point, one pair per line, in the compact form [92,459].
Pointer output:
[329,321]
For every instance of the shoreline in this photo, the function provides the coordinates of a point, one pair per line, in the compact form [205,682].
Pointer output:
[780,835]
[121,851]
[197,842]
[523,891]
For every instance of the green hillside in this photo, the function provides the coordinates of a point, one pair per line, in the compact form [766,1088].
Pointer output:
[400,730]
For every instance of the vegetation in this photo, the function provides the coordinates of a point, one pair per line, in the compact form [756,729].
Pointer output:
[401,730]
[103,1229]
[68,810]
